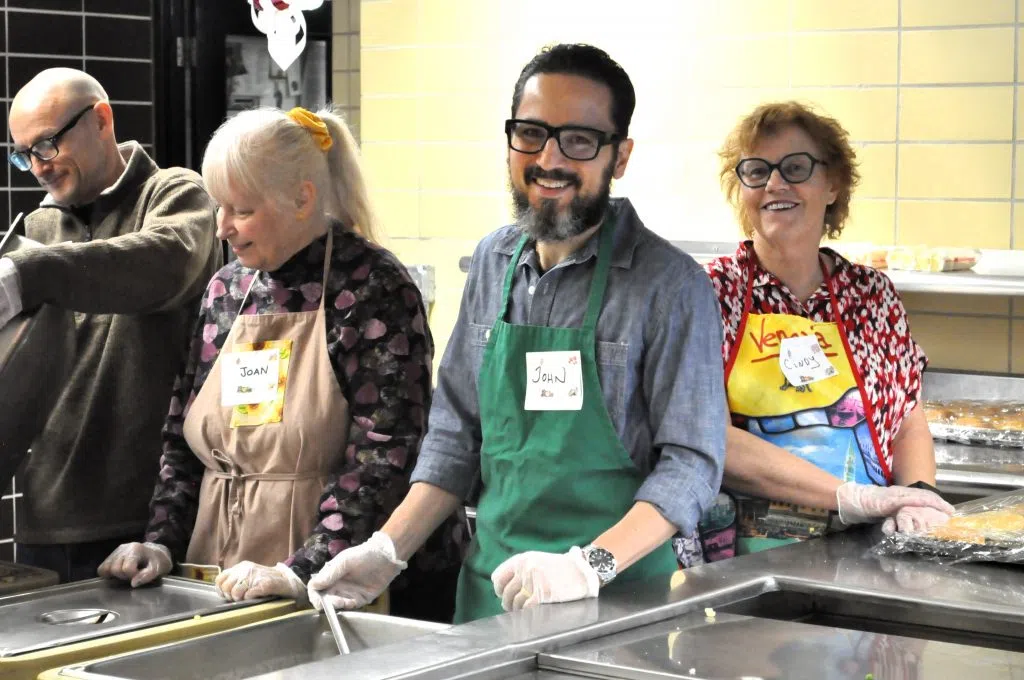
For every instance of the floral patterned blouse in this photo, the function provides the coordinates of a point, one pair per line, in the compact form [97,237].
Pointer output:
[384,375]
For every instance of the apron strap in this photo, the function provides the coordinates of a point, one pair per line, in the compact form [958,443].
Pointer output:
[327,264]
[597,285]
[327,270]
[506,288]
[600,281]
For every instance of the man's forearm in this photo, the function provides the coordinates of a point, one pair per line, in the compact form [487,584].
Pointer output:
[424,509]
[637,534]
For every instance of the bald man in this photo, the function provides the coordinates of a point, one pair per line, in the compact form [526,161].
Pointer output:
[130,250]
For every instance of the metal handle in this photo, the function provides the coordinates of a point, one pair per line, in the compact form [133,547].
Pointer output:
[335,625]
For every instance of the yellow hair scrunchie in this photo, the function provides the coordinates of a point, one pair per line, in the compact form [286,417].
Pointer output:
[315,125]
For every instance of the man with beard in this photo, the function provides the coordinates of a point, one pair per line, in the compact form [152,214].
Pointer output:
[581,391]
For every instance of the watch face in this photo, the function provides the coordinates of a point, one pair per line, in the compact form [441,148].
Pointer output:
[602,561]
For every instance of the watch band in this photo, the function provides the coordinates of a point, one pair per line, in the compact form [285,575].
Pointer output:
[603,563]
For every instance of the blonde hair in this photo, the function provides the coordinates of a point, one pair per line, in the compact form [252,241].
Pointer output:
[830,137]
[263,152]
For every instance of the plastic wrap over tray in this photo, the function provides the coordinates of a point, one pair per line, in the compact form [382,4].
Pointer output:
[984,530]
[975,421]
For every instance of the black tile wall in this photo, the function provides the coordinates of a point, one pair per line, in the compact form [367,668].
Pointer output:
[7,517]
[20,70]
[136,7]
[44,33]
[133,121]
[24,201]
[110,37]
[58,5]
[94,35]
[129,80]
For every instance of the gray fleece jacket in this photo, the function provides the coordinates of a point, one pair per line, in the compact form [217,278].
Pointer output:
[132,267]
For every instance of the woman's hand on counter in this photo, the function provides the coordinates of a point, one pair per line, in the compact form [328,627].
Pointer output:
[860,503]
[139,563]
[249,581]
[912,520]
[532,578]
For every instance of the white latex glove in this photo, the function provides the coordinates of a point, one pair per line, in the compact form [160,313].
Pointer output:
[10,291]
[248,581]
[912,520]
[357,576]
[532,578]
[869,503]
[138,562]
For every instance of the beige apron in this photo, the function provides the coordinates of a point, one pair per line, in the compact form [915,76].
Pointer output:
[262,484]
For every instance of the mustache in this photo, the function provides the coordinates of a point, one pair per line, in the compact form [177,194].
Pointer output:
[536,172]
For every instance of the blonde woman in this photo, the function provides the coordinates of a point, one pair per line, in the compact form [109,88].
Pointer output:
[304,399]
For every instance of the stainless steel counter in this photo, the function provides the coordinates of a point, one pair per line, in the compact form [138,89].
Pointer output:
[76,612]
[830,591]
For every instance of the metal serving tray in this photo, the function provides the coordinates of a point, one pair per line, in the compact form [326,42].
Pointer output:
[735,646]
[261,648]
[86,610]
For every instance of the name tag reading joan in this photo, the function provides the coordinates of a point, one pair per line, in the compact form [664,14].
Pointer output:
[803,361]
[554,381]
[249,377]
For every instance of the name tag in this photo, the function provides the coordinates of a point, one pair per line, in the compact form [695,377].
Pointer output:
[554,381]
[249,377]
[803,361]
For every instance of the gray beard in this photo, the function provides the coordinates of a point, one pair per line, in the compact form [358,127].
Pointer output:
[548,224]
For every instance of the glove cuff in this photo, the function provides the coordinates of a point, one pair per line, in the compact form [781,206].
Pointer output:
[162,549]
[593,580]
[295,583]
[847,516]
[382,544]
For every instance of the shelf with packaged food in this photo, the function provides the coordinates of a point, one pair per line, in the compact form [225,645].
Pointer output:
[998,272]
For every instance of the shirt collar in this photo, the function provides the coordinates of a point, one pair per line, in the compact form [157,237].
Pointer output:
[746,258]
[621,216]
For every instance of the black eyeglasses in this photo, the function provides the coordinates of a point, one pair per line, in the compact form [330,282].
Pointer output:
[794,168]
[45,149]
[576,142]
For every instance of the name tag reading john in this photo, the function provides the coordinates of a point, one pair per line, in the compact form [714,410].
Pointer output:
[249,377]
[554,381]
[803,362]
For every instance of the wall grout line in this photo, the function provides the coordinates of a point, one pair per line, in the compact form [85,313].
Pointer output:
[896,168]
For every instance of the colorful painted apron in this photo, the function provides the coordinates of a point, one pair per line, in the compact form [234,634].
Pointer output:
[552,479]
[828,423]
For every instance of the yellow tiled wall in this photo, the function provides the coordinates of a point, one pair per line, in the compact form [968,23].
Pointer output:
[346,56]
[927,88]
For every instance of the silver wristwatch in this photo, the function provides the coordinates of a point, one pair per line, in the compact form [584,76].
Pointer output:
[603,563]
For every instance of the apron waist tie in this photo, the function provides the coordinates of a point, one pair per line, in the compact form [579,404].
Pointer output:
[234,473]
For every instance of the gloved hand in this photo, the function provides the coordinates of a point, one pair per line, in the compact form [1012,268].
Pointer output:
[139,562]
[912,520]
[532,578]
[10,291]
[248,581]
[356,576]
[869,503]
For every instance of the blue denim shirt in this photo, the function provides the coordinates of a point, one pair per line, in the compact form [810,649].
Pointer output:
[659,354]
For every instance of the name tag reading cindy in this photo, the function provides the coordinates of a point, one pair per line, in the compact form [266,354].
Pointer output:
[554,381]
[249,377]
[803,361]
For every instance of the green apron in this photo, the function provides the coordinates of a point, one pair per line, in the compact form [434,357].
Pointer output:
[551,479]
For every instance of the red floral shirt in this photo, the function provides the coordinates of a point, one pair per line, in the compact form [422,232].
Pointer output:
[872,314]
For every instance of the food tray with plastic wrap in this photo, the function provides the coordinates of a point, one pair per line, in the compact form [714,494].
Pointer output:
[973,421]
[983,530]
